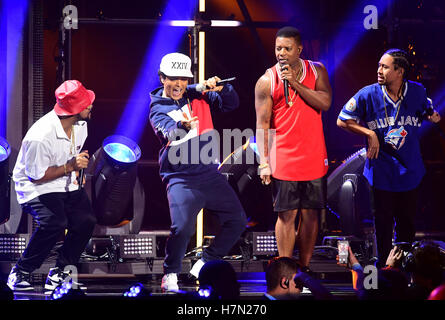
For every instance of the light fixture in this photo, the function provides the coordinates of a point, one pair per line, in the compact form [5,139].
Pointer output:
[137,291]
[12,246]
[348,195]
[264,244]
[114,174]
[137,246]
[65,291]
[241,170]
[5,149]
[5,180]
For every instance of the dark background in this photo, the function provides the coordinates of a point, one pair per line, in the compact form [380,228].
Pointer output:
[107,59]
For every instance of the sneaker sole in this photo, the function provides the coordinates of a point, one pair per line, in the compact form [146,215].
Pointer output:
[22,289]
[52,288]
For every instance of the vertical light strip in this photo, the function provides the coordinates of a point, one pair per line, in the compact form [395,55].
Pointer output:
[201,56]
[201,78]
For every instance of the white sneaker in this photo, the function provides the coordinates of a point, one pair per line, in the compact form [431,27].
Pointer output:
[194,271]
[57,276]
[170,282]
[19,280]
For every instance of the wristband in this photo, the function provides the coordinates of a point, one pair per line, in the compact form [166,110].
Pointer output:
[263,165]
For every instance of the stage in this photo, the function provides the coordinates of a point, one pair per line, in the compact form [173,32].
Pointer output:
[104,280]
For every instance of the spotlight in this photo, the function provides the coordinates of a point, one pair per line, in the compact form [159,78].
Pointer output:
[5,150]
[5,180]
[137,291]
[205,292]
[241,170]
[121,149]
[114,174]
[65,291]
[349,194]
[264,244]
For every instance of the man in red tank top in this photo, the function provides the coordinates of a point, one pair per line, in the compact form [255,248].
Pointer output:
[294,157]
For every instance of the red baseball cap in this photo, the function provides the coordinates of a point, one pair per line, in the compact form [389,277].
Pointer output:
[72,98]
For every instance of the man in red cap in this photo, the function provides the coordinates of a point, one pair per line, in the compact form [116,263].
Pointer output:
[45,176]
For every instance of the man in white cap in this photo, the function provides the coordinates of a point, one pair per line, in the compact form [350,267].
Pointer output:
[45,173]
[180,115]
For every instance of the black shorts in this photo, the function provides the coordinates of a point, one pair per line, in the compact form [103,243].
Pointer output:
[290,195]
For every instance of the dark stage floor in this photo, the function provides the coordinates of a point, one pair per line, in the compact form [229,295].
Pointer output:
[109,281]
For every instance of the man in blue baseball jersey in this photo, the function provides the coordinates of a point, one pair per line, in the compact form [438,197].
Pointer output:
[391,112]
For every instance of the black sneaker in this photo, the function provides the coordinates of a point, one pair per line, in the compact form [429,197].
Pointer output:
[57,276]
[19,280]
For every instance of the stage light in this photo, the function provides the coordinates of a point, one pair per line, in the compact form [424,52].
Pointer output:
[13,14]
[241,170]
[114,174]
[205,292]
[264,244]
[121,149]
[137,246]
[65,291]
[225,23]
[5,181]
[349,194]
[166,39]
[351,32]
[137,291]
[12,246]
[5,149]
[182,23]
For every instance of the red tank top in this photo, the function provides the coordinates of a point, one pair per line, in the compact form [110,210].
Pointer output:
[298,151]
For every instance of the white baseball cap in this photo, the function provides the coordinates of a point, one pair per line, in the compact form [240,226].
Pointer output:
[176,65]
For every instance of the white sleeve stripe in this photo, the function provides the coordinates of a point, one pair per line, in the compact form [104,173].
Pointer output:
[272,82]
[313,69]
[345,116]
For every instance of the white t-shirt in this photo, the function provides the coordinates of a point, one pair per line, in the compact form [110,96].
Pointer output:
[45,145]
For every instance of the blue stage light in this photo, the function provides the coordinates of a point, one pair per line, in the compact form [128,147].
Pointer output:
[12,17]
[204,293]
[166,39]
[5,181]
[351,32]
[137,291]
[5,150]
[121,149]
[114,173]
[65,291]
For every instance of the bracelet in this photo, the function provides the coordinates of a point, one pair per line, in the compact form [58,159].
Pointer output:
[263,165]
[64,168]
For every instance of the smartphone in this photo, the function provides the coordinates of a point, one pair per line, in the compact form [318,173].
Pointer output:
[343,251]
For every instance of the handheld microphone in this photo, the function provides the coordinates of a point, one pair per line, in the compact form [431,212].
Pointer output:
[286,88]
[81,175]
[200,87]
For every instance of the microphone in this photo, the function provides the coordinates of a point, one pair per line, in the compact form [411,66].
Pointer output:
[286,88]
[81,175]
[200,87]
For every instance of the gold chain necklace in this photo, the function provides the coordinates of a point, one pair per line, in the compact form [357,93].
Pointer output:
[291,102]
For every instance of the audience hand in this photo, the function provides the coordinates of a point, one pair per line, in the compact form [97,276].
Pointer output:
[394,259]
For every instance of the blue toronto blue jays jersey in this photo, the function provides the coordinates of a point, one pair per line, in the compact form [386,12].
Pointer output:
[399,166]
